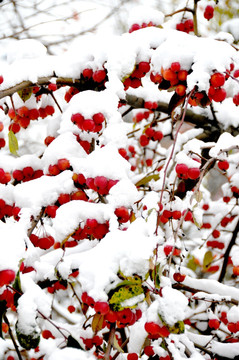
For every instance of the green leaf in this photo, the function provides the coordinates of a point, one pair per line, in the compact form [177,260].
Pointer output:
[72,342]
[12,143]
[177,328]
[147,179]
[27,341]
[17,286]
[123,293]
[25,94]
[208,257]
[191,264]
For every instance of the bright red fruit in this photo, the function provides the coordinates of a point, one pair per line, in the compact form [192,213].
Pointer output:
[182,171]
[193,173]
[45,242]
[99,75]
[98,118]
[46,334]
[167,249]
[63,164]
[101,307]
[208,12]
[123,214]
[214,324]
[143,140]
[179,277]
[6,277]
[1,79]
[217,79]
[87,73]
[223,165]
[132,356]
[152,328]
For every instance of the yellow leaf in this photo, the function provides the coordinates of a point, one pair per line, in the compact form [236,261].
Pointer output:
[12,143]
[97,322]
[147,179]
[116,345]
[25,94]
[208,257]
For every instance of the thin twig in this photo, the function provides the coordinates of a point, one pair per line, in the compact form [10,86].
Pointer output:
[12,337]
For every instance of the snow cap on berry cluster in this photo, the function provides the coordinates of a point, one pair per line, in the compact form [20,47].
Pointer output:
[145,14]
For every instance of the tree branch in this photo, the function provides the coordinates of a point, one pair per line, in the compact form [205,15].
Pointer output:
[227,252]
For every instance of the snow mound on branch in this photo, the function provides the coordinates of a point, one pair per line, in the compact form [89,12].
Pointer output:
[25,49]
[145,14]
[128,251]
[12,245]
[71,353]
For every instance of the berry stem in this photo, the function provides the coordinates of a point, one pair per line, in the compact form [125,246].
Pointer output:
[195,22]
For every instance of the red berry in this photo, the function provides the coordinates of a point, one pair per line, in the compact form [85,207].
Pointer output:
[182,75]
[144,66]
[179,277]
[193,173]
[63,164]
[46,334]
[132,356]
[214,324]
[52,87]
[51,210]
[216,234]
[98,118]
[99,75]
[77,119]
[101,307]
[100,183]
[64,198]
[18,175]
[45,242]
[123,214]
[88,125]
[143,140]
[181,90]
[182,171]
[148,350]
[53,170]
[176,214]
[6,277]
[152,328]
[217,80]
[71,308]
[49,110]
[236,99]
[208,12]
[87,73]
[1,79]
[175,66]
[223,165]
[167,249]
[48,140]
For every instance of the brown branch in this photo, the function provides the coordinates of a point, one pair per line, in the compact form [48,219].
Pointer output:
[110,342]
[180,10]
[12,337]
[180,286]
[227,252]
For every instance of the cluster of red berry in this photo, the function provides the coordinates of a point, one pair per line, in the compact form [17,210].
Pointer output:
[26,174]
[93,124]
[134,80]
[22,116]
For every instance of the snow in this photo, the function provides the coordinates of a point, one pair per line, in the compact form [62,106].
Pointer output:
[128,248]
[70,353]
